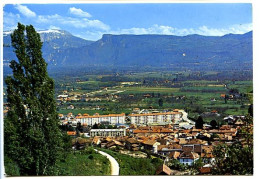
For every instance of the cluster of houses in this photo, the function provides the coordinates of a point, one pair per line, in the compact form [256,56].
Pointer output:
[184,145]
[169,135]
[81,97]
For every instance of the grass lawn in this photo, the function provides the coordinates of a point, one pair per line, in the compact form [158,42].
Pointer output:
[91,164]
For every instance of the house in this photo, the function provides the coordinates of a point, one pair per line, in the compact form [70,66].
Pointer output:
[183,141]
[72,133]
[105,141]
[96,141]
[174,155]
[110,145]
[229,119]
[70,107]
[62,97]
[154,118]
[163,141]
[207,157]
[163,170]
[135,110]
[107,132]
[79,143]
[194,145]
[61,116]
[96,118]
[206,169]
[164,150]
[150,145]
[119,144]
[188,158]
[132,144]
[207,149]
[222,95]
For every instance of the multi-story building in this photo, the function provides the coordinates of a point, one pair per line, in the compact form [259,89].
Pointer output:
[107,132]
[155,118]
[112,119]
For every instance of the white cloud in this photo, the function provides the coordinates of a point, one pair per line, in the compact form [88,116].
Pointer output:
[25,10]
[54,27]
[10,20]
[91,35]
[203,30]
[78,12]
[168,30]
[72,21]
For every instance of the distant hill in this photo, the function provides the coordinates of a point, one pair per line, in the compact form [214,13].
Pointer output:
[192,52]
[54,42]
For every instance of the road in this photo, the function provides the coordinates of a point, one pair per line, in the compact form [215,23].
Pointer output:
[185,117]
[114,163]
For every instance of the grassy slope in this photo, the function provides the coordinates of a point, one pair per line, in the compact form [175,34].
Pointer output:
[135,166]
[85,165]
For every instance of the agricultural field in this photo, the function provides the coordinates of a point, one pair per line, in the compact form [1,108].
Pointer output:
[197,93]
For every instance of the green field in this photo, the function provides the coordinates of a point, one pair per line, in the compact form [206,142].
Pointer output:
[195,96]
[148,90]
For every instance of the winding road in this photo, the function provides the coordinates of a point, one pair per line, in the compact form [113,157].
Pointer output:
[114,163]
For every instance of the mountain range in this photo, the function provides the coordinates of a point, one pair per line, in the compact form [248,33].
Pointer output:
[192,52]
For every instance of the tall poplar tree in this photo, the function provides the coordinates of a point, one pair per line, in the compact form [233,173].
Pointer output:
[32,138]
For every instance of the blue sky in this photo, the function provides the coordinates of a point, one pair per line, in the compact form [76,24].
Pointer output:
[91,21]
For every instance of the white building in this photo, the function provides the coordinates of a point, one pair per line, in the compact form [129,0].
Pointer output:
[112,119]
[107,132]
[155,118]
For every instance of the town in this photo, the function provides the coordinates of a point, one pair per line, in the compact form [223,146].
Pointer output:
[177,122]
[167,135]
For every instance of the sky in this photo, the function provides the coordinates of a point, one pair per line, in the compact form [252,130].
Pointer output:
[91,21]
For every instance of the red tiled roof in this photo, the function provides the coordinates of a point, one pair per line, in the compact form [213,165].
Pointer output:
[132,141]
[71,132]
[97,116]
[163,169]
[204,170]
[149,142]
[189,155]
[155,114]
[174,154]
[207,155]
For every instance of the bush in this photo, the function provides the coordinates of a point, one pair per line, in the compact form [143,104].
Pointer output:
[88,151]
[176,165]
[90,157]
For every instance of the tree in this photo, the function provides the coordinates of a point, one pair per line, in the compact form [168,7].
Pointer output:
[32,138]
[213,124]
[226,98]
[160,102]
[233,160]
[199,123]
[95,126]
[79,127]
[236,159]
[176,165]
[250,110]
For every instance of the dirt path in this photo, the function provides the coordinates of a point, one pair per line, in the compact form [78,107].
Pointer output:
[114,164]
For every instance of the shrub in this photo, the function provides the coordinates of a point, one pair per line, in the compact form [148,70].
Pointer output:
[90,157]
